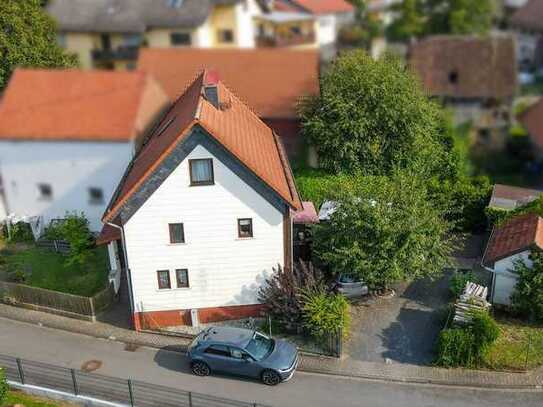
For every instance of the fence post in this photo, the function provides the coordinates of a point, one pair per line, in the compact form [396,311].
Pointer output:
[131,392]
[74,381]
[20,369]
[190,399]
[339,342]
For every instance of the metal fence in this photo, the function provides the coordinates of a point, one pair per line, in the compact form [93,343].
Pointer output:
[55,302]
[128,392]
[57,246]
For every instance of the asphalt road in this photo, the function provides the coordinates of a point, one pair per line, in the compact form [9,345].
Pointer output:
[171,369]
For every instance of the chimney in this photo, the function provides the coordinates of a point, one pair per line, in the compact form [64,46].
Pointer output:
[211,91]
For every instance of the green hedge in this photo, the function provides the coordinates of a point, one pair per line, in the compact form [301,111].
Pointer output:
[3,387]
[324,312]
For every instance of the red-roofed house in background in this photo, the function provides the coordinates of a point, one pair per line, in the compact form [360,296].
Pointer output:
[532,120]
[511,242]
[474,76]
[271,81]
[331,15]
[204,211]
[66,137]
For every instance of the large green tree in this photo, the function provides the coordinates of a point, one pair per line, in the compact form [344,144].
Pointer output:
[387,230]
[372,117]
[28,38]
[410,23]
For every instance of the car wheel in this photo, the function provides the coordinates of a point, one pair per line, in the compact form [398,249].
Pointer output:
[270,378]
[200,368]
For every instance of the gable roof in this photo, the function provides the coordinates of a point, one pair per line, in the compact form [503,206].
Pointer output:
[509,197]
[532,120]
[518,234]
[129,16]
[466,66]
[529,17]
[316,6]
[232,124]
[270,81]
[78,105]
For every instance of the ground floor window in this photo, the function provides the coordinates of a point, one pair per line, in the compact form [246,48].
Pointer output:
[182,277]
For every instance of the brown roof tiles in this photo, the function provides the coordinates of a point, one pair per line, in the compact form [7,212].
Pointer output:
[529,17]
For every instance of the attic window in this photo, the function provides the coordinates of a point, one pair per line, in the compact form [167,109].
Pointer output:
[453,77]
[175,3]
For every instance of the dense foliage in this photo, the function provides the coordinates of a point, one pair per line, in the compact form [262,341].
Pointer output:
[28,38]
[281,293]
[499,216]
[3,387]
[527,299]
[19,232]
[429,17]
[324,313]
[466,346]
[387,231]
[373,117]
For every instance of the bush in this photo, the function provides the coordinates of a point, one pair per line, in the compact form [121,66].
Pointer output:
[527,299]
[75,230]
[281,293]
[324,313]
[466,346]
[21,232]
[3,387]
[458,281]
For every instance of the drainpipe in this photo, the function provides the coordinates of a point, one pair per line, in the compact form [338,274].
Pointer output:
[125,256]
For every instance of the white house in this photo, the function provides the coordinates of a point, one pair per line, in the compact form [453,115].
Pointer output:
[508,244]
[66,138]
[203,212]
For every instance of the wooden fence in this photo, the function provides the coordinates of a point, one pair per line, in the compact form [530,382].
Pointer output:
[55,302]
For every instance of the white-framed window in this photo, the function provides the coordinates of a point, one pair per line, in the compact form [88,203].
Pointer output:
[45,192]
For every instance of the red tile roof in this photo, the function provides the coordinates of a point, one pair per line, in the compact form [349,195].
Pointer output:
[532,120]
[233,124]
[510,197]
[482,67]
[321,6]
[529,17]
[79,105]
[270,81]
[518,234]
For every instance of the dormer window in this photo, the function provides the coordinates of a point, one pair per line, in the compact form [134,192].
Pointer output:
[201,172]
[453,77]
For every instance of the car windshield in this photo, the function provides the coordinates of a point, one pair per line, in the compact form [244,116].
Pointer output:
[259,346]
[347,279]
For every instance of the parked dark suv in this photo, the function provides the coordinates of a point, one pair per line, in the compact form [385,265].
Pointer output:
[243,352]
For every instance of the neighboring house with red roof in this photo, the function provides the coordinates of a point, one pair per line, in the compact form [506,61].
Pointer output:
[532,120]
[204,210]
[475,76]
[271,81]
[527,22]
[331,15]
[506,197]
[66,137]
[508,244]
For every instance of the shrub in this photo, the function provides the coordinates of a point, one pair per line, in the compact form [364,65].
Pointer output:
[527,299]
[3,387]
[458,281]
[324,313]
[20,232]
[281,293]
[75,230]
[467,345]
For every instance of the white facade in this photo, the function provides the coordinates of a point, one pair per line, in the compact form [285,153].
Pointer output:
[245,20]
[223,269]
[70,168]
[505,280]
[328,26]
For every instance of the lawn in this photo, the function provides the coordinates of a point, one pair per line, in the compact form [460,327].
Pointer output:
[15,397]
[519,346]
[46,269]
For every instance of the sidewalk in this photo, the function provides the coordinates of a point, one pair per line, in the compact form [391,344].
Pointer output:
[324,365]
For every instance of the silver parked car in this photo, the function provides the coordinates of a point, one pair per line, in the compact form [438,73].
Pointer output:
[350,287]
[243,352]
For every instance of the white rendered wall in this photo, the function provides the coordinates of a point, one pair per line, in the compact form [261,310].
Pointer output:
[505,279]
[71,168]
[223,269]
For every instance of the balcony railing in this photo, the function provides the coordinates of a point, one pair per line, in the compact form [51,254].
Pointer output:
[285,41]
[123,53]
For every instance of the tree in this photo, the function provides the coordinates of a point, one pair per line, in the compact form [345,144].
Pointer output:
[28,39]
[460,16]
[527,299]
[410,22]
[75,230]
[372,117]
[365,28]
[387,231]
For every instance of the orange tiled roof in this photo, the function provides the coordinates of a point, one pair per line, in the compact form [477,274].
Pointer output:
[322,6]
[78,105]
[233,124]
[518,234]
[270,81]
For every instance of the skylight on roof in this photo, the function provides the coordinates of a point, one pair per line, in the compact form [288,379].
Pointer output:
[175,3]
